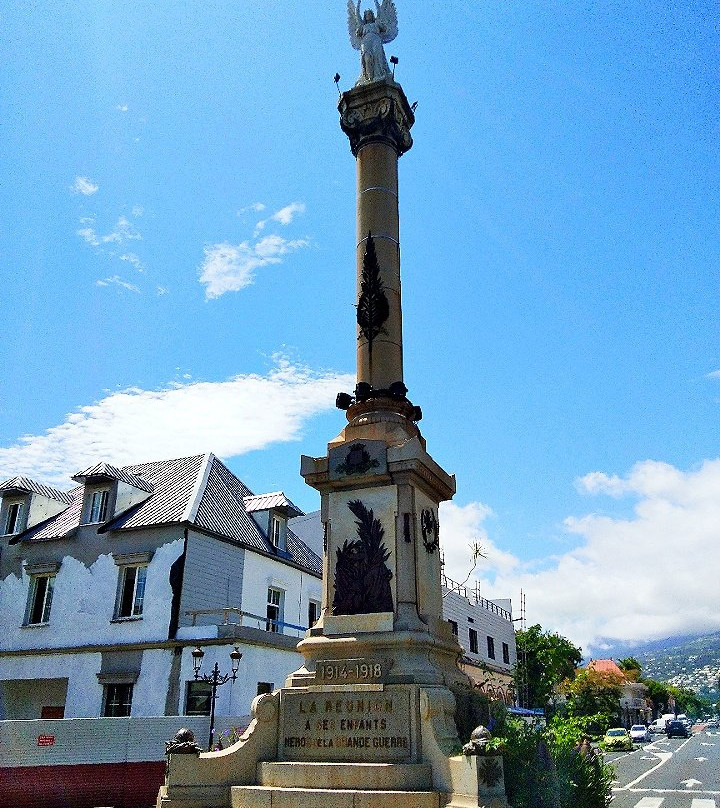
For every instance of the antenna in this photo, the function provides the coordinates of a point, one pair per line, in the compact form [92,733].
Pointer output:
[523,685]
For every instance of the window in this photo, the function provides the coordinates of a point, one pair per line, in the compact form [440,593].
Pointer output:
[117,699]
[197,698]
[313,612]
[98,506]
[491,647]
[131,591]
[39,599]
[265,687]
[453,627]
[275,529]
[12,519]
[473,641]
[506,653]
[274,610]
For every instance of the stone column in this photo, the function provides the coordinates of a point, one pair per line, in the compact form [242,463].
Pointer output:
[377,120]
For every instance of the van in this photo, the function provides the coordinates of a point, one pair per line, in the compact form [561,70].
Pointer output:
[660,724]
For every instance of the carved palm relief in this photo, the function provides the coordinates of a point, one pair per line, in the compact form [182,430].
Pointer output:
[362,578]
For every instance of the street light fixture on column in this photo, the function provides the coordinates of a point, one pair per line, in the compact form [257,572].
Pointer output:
[215,679]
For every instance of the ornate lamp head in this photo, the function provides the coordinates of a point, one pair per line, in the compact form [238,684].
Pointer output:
[197,658]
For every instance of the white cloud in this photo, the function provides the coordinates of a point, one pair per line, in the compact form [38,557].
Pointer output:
[229,268]
[84,185]
[255,207]
[133,259]
[162,290]
[123,231]
[461,528]
[649,576]
[284,216]
[122,107]
[287,214]
[229,418]
[116,280]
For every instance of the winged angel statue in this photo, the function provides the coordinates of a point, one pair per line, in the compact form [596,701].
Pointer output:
[368,34]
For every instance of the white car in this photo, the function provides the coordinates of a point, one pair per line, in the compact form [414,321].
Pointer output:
[639,733]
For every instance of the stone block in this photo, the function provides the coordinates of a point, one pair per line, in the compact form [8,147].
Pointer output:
[360,776]
[397,799]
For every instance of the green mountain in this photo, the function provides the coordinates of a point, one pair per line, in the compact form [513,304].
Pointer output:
[691,662]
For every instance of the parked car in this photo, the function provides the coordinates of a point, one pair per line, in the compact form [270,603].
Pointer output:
[639,733]
[617,739]
[678,729]
[711,724]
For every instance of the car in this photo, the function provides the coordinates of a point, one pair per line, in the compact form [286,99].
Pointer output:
[711,724]
[617,739]
[639,733]
[677,729]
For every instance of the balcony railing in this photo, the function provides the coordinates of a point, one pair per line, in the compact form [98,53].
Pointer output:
[232,616]
[473,596]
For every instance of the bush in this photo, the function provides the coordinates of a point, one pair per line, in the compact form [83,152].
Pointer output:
[544,767]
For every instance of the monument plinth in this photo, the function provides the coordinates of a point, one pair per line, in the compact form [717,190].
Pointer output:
[368,720]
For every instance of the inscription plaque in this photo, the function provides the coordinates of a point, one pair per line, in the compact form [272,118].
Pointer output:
[345,726]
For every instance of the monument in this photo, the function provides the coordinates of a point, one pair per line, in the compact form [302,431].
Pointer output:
[368,721]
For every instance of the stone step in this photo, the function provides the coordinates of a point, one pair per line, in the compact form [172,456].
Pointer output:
[271,797]
[361,776]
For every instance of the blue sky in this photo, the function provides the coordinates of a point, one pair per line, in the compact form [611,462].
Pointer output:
[178,266]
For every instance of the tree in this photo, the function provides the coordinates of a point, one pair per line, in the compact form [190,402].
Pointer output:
[544,660]
[592,693]
[631,668]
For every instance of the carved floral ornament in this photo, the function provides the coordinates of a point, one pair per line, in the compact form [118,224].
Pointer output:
[379,119]
[357,460]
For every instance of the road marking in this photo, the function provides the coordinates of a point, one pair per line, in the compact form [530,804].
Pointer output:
[652,802]
[703,803]
[664,757]
[690,783]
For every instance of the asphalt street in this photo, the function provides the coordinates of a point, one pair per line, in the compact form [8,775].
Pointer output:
[669,773]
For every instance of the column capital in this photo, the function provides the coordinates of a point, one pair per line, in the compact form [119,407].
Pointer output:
[377,113]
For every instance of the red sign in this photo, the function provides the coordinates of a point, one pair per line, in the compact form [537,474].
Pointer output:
[46,740]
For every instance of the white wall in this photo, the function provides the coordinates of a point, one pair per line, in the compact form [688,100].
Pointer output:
[486,623]
[83,605]
[261,572]
[259,663]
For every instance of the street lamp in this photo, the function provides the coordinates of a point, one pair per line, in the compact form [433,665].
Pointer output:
[215,679]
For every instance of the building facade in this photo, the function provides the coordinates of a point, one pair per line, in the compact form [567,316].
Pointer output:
[105,590]
[484,628]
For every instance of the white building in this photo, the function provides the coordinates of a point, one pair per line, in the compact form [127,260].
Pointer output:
[484,628]
[106,589]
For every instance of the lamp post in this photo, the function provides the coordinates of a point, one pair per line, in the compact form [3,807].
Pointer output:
[215,679]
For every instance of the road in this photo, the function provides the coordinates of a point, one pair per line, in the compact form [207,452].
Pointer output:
[669,773]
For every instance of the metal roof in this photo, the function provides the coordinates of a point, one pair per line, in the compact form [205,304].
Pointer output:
[106,471]
[27,486]
[266,502]
[199,491]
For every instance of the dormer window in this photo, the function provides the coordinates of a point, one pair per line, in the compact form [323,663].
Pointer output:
[276,527]
[109,491]
[13,517]
[98,506]
[271,513]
